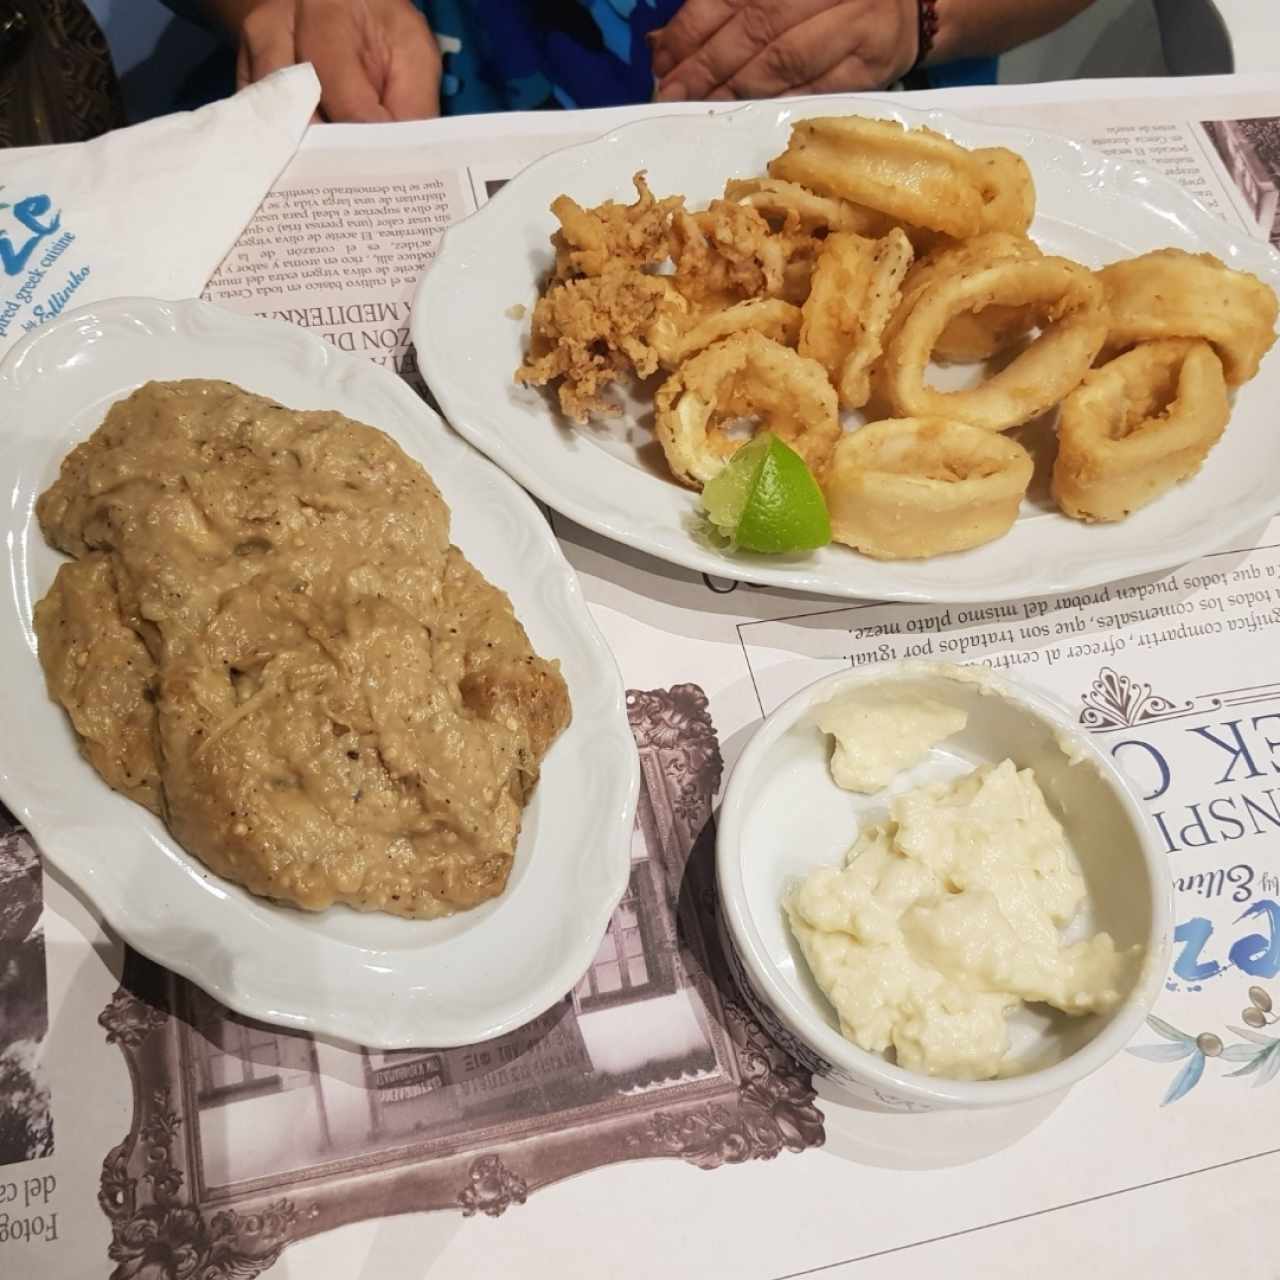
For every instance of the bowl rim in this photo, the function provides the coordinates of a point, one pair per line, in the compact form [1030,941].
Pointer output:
[871,1068]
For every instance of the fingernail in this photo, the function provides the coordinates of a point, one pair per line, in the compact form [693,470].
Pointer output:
[672,92]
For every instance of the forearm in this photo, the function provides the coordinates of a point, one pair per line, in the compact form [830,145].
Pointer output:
[983,28]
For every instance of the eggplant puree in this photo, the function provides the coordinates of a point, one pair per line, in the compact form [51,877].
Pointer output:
[266,637]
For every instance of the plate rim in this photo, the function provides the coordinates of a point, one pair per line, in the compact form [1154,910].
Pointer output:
[485,431]
[357,1023]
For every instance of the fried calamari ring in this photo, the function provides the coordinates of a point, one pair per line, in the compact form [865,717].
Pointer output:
[797,275]
[973,335]
[746,375]
[856,287]
[1075,323]
[813,213]
[1174,294]
[1008,191]
[801,219]
[1138,426]
[907,488]
[915,176]
[675,338]
[1008,204]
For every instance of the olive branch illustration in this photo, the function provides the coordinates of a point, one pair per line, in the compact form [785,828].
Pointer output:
[1259,1053]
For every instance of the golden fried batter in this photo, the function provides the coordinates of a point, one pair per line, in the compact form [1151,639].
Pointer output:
[865,255]
[1138,426]
[1170,293]
[914,176]
[728,253]
[592,333]
[613,236]
[678,336]
[973,335]
[1068,296]
[907,488]
[815,214]
[745,375]
[857,285]
[1008,191]
[266,637]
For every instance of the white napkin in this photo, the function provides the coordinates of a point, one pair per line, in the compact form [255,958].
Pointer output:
[148,211]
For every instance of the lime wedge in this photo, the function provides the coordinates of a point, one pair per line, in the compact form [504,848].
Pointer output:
[766,499]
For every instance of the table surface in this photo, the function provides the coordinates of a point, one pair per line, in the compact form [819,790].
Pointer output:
[1146,1165]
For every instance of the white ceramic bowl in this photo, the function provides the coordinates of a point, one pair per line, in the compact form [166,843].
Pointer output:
[782,815]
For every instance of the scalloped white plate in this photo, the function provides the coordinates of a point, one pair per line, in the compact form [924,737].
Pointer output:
[611,477]
[374,979]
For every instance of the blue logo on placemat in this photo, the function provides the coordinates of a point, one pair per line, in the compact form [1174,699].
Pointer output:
[28,213]
[31,242]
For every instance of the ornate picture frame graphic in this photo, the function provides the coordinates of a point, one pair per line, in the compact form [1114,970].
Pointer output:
[1119,701]
[245,1138]
[1250,151]
[1116,701]
[26,1111]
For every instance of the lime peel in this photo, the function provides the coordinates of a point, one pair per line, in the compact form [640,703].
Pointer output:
[766,499]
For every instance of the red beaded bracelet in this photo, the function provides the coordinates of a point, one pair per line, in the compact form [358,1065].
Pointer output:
[928,30]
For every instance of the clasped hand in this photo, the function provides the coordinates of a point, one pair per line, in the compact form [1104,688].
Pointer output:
[716,49]
[376,59]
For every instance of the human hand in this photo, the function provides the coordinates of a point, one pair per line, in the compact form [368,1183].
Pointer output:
[375,59]
[714,49]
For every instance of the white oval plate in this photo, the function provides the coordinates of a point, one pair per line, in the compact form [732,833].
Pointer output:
[611,477]
[374,979]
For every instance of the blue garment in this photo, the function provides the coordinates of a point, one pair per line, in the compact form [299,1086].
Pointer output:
[965,71]
[522,55]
